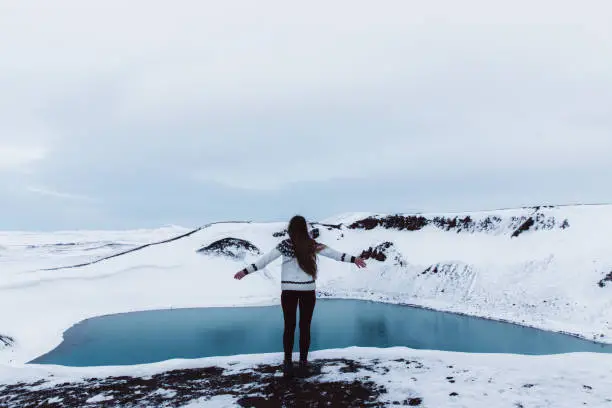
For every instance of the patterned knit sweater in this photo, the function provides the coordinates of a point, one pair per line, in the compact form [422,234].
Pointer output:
[292,275]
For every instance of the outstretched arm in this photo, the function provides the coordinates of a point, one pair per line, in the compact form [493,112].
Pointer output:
[260,264]
[340,256]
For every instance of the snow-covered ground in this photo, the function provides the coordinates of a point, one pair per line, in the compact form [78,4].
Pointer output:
[348,377]
[543,267]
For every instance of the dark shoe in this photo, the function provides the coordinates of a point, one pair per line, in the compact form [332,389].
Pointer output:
[288,369]
[304,369]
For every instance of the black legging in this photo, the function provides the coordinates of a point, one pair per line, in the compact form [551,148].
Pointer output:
[289,301]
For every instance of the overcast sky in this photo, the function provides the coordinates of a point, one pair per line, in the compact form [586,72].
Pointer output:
[124,114]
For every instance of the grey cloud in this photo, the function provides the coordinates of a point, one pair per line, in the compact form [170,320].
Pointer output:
[137,102]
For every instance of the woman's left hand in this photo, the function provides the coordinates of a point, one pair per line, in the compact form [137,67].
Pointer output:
[240,275]
[360,262]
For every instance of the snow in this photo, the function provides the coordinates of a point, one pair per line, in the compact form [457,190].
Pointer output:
[99,398]
[479,380]
[220,401]
[545,278]
[166,393]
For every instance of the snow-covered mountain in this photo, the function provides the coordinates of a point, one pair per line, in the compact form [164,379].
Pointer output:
[547,267]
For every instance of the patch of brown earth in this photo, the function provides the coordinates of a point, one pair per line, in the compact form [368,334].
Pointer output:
[259,386]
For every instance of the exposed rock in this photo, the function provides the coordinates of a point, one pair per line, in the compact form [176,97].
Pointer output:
[447,269]
[608,278]
[399,222]
[234,248]
[6,341]
[523,227]
[537,221]
[415,223]
[382,251]
[314,233]
[256,387]
[455,223]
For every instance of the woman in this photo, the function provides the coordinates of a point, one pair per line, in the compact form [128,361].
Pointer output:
[299,273]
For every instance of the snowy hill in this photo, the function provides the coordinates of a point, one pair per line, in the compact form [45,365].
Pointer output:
[547,267]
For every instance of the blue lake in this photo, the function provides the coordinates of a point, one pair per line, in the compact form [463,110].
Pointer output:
[145,337]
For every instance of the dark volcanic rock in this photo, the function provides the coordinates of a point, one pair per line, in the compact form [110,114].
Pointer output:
[6,341]
[399,222]
[536,221]
[455,223]
[467,224]
[231,247]
[377,252]
[529,222]
[607,278]
[382,251]
[447,269]
[415,223]
[256,387]
[314,232]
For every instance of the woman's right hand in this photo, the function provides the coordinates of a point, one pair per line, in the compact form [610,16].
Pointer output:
[240,275]
[360,262]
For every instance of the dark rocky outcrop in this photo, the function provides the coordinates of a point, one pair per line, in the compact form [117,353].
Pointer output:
[6,341]
[529,222]
[231,247]
[314,233]
[382,251]
[446,268]
[606,279]
[399,222]
[255,387]
[377,252]
[415,223]
[536,221]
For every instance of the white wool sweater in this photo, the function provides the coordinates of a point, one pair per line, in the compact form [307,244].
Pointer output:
[292,275]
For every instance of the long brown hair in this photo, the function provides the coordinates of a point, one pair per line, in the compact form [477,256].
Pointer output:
[305,248]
